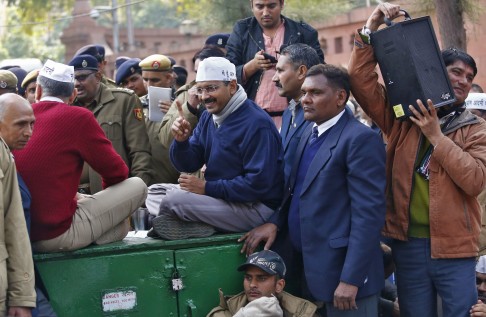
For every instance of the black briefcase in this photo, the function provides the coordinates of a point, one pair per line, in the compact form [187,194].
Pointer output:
[411,65]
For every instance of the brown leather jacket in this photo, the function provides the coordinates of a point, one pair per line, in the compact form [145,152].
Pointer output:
[457,167]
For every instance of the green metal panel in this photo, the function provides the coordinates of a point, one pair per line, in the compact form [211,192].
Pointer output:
[88,281]
[76,286]
[203,271]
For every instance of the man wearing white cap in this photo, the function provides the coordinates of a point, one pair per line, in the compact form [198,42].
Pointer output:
[476,103]
[51,165]
[242,151]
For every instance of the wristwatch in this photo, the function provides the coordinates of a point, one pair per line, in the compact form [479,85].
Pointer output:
[365,34]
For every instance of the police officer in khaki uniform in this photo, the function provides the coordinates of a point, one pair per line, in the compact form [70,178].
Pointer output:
[8,82]
[129,76]
[157,71]
[119,113]
[28,84]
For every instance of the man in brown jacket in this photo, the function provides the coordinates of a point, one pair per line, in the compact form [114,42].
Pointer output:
[17,295]
[436,166]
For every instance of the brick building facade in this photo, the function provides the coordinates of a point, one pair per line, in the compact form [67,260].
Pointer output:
[335,36]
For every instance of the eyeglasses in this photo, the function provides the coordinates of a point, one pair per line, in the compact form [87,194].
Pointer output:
[83,77]
[209,89]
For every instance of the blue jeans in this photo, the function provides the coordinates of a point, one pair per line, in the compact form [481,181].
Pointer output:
[44,308]
[420,279]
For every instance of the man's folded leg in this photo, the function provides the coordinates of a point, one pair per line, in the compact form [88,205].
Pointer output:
[187,215]
[99,218]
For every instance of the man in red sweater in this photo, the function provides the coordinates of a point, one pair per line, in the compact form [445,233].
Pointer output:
[51,165]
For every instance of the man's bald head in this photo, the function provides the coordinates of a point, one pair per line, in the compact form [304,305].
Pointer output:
[16,120]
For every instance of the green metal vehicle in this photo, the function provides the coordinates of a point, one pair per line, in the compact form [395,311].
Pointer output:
[143,277]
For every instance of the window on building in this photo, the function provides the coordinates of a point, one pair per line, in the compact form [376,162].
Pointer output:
[338,45]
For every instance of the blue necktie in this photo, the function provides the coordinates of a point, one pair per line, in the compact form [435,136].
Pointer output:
[314,135]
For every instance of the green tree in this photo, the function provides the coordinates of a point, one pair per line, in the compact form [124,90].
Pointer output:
[214,15]
[147,14]
[451,15]
[42,40]
[33,11]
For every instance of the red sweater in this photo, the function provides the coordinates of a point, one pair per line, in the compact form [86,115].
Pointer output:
[51,164]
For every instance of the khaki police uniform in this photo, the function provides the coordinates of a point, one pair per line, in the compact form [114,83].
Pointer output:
[108,82]
[165,132]
[16,265]
[120,115]
[164,172]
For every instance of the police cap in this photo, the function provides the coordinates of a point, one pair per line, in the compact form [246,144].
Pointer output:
[84,62]
[20,73]
[8,80]
[219,39]
[128,68]
[90,49]
[31,76]
[120,60]
[156,62]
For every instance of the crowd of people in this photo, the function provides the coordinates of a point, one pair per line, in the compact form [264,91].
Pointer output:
[267,140]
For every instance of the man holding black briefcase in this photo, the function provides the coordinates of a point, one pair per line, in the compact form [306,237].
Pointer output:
[436,166]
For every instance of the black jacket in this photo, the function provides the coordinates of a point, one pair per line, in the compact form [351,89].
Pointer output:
[247,39]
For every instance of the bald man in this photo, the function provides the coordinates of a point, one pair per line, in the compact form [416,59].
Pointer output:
[16,124]
[16,121]
[16,274]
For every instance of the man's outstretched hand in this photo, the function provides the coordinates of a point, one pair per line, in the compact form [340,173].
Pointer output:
[266,232]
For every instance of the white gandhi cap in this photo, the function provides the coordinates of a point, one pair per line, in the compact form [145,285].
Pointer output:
[216,68]
[57,72]
[476,100]
[481,265]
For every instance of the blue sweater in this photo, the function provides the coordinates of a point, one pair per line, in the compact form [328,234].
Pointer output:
[243,157]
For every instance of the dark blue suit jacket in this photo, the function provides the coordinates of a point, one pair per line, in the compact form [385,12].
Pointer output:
[342,210]
[291,137]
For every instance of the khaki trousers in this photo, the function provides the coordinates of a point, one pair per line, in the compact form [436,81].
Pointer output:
[101,215]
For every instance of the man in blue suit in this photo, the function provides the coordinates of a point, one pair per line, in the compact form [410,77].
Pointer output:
[293,63]
[334,206]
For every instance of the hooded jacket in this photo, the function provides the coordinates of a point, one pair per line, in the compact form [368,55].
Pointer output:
[247,39]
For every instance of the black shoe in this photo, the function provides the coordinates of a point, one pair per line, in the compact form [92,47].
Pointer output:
[172,228]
